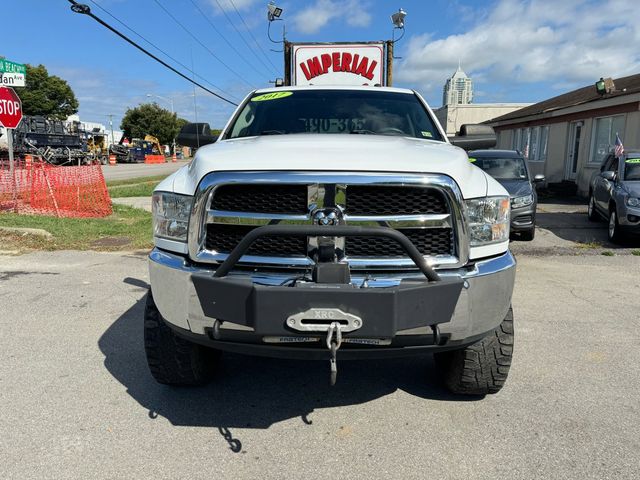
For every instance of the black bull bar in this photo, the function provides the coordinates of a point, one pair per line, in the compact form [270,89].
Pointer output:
[380,311]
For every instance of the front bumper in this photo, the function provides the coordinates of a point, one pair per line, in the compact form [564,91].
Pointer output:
[523,218]
[629,218]
[480,307]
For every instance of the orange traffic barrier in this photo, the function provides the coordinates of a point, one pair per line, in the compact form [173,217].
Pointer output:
[112,159]
[154,159]
[45,189]
[174,158]
[28,160]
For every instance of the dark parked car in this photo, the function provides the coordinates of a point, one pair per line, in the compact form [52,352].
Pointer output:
[614,193]
[510,169]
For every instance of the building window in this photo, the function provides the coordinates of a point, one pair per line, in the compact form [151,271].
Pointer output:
[517,139]
[544,140]
[603,136]
[531,142]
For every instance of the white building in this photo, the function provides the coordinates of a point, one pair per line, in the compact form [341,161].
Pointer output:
[458,90]
[565,138]
[453,116]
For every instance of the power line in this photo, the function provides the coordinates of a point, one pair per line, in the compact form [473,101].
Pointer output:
[159,49]
[85,10]
[202,44]
[252,36]
[215,29]
[241,36]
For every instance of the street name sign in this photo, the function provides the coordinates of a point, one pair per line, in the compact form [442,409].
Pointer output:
[12,74]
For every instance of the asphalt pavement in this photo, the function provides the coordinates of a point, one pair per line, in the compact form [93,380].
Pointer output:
[123,171]
[78,401]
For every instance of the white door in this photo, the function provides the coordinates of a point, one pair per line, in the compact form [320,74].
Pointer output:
[573,149]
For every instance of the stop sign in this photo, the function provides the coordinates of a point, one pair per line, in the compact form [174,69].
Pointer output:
[10,108]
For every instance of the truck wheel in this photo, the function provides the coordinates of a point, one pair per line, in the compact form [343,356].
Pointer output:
[528,235]
[173,360]
[480,368]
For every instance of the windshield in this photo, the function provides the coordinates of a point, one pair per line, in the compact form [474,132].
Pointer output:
[371,112]
[632,169]
[502,168]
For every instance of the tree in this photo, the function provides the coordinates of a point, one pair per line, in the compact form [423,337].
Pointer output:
[151,119]
[46,95]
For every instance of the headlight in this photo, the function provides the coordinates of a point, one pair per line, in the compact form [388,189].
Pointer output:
[488,220]
[171,215]
[518,202]
[633,202]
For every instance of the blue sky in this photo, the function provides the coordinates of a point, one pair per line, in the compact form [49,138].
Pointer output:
[514,50]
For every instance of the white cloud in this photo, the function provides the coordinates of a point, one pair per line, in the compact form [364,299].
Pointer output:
[572,42]
[316,16]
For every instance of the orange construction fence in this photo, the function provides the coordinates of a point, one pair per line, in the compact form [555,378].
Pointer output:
[154,159]
[39,188]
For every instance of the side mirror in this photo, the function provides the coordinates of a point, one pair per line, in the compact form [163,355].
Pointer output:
[539,178]
[195,135]
[475,137]
[608,175]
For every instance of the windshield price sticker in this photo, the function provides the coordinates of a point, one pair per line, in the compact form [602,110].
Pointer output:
[333,125]
[632,160]
[427,134]
[472,160]
[271,96]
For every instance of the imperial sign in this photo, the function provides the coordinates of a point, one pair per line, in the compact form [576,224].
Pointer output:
[338,64]
[10,108]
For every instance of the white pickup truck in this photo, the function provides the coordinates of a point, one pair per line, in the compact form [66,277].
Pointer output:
[332,223]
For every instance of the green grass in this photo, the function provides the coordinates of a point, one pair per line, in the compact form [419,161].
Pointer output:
[635,252]
[134,187]
[126,229]
[608,253]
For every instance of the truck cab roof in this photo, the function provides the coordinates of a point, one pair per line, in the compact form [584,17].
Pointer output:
[334,87]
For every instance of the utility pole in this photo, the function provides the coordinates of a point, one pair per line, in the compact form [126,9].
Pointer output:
[111,126]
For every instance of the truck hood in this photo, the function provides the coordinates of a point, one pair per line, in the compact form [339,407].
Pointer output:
[338,153]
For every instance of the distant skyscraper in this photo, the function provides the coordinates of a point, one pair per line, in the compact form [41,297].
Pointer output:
[458,90]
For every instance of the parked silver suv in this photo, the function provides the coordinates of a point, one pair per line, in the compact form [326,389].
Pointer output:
[614,193]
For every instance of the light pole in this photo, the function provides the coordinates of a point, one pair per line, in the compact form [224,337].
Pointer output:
[170,100]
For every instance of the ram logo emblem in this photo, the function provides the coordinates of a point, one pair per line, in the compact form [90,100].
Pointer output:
[327,217]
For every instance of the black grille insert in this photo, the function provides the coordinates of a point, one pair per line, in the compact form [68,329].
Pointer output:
[223,238]
[394,200]
[429,241]
[255,198]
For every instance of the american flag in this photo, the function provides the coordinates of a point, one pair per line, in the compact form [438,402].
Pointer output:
[619,148]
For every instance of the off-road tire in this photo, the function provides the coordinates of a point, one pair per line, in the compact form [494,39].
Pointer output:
[592,213]
[173,360]
[528,235]
[481,368]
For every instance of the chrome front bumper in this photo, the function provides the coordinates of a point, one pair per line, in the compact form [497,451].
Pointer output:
[482,304]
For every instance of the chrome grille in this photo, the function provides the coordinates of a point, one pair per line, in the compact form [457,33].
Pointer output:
[427,208]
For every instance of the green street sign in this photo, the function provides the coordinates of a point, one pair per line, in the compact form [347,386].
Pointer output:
[11,67]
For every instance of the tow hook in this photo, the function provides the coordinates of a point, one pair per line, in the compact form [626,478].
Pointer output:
[334,340]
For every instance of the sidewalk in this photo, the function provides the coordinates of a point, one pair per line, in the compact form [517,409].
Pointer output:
[144,203]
